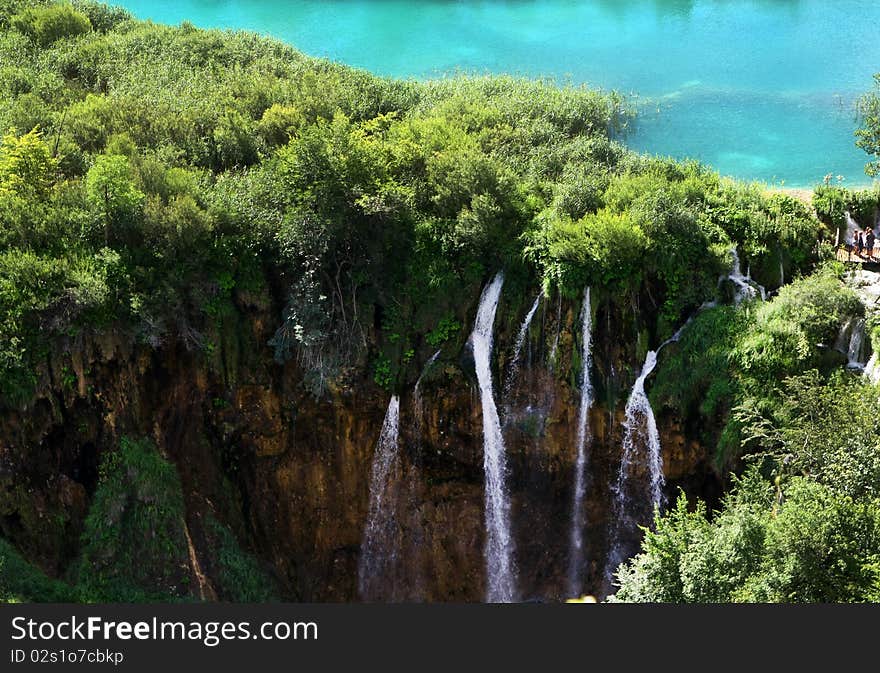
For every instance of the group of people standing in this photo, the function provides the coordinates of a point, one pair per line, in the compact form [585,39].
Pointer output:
[862,244]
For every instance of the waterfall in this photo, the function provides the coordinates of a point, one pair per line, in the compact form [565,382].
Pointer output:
[781,271]
[872,369]
[854,352]
[639,427]
[851,341]
[852,227]
[517,348]
[499,544]
[576,553]
[380,546]
[417,394]
[638,405]
[415,539]
[746,288]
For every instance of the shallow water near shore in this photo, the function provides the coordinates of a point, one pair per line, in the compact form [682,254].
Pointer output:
[760,90]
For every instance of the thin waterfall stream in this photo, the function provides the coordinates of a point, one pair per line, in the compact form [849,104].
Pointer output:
[499,543]
[381,542]
[578,519]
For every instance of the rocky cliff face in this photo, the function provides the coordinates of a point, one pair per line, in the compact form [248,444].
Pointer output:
[289,473]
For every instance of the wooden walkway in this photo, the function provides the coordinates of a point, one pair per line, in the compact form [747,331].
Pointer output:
[844,255]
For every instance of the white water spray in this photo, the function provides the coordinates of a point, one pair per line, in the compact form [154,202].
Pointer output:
[640,429]
[499,543]
[417,390]
[852,342]
[852,227]
[576,551]
[517,348]
[855,352]
[639,406]
[746,288]
[380,546]
[872,369]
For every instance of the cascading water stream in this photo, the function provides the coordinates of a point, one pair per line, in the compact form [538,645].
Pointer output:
[872,369]
[855,350]
[414,542]
[640,424]
[852,227]
[513,369]
[417,390]
[852,342]
[746,288]
[576,551]
[381,543]
[640,428]
[639,405]
[499,543]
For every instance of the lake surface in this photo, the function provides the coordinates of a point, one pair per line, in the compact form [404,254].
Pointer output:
[758,89]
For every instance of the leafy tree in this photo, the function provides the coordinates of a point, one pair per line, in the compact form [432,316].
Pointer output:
[868,136]
[27,168]
[111,190]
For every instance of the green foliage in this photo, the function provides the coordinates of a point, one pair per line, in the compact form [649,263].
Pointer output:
[134,548]
[832,202]
[193,155]
[604,248]
[239,577]
[828,430]
[726,372]
[21,582]
[445,330]
[802,543]
[26,166]
[47,24]
[791,333]
[111,190]
[695,377]
[868,135]
[382,374]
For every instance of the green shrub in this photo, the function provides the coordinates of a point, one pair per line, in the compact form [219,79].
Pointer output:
[134,548]
[804,543]
[47,24]
[21,582]
[239,577]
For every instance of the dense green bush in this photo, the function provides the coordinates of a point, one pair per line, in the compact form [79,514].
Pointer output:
[21,582]
[812,534]
[239,577]
[729,367]
[47,24]
[792,332]
[798,543]
[133,545]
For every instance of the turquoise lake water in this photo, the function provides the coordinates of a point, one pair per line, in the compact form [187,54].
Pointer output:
[758,89]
